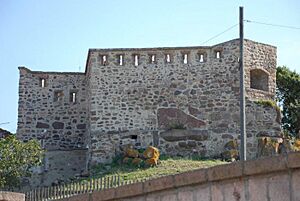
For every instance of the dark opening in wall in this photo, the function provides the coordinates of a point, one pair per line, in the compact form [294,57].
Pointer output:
[58,95]
[103,60]
[152,58]
[133,137]
[168,58]
[42,82]
[259,79]
[73,96]
[121,60]
[185,58]
[202,57]
[136,60]
[218,54]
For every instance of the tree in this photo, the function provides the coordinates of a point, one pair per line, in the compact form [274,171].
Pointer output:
[16,159]
[288,95]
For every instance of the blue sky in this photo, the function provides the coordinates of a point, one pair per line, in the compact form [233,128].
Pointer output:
[55,35]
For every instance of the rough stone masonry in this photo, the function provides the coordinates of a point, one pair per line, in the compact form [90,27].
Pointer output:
[184,100]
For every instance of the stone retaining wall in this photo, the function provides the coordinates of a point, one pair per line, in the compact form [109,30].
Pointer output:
[11,196]
[273,178]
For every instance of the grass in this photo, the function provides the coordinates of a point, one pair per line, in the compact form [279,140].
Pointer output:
[268,103]
[167,166]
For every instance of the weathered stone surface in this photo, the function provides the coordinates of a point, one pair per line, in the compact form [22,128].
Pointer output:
[58,125]
[182,134]
[81,126]
[168,117]
[42,125]
[150,98]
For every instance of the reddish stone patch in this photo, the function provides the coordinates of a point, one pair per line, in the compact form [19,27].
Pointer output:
[170,117]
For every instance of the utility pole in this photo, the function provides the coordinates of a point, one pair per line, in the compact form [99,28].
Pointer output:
[242,90]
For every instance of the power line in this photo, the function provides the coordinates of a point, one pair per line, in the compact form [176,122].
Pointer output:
[274,25]
[219,34]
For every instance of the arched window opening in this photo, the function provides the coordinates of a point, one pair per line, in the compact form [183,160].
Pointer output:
[259,79]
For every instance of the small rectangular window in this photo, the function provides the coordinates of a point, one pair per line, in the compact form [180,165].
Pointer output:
[73,97]
[218,54]
[185,58]
[42,82]
[201,58]
[104,60]
[136,60]
[153,58]
[58,95]
[121,60]
[168,58]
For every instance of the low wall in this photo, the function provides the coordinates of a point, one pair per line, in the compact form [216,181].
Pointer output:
[10,196]
[272,178]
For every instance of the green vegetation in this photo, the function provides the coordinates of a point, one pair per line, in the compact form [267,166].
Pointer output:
[288,94]
[268,103]
[16,159]
[166,166]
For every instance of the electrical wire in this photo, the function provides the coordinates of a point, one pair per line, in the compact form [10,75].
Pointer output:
[219,34]
[274,25]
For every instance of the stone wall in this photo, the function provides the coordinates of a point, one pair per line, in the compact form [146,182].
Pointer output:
[59,166]
[58,124]
[184,100]
[273,178]
[11,196]
[157,97]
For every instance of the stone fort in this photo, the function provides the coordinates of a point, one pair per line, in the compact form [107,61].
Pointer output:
[183,100]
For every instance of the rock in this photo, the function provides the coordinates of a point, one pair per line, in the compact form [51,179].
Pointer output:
[151,152]
[81,126]
[297,145]
[126,160]
[183,135]
[230,155]
[42,125]
[58,125]
[169,116]
[137,161]
[232,144]
[132,153]
[151,162]
[267,146]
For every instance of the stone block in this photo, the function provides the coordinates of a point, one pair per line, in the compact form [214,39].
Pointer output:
[82,197]
[192,177]
[258,188]
[295,185]
[129,190]
[293,160]
[234,190]
[169,197]
[185,195]
[107,194]
[216,192]
[228,171]
[264,165]
[279,187]
[202,192]
[159,184]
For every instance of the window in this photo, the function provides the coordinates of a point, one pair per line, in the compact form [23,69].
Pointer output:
[136,60]
[201,58]
[121,57]
[218,54]
[259,79]
[168,58]
[185,58]
[103,60]
[73,96]
[58,95]
[42,82]
[153,58]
